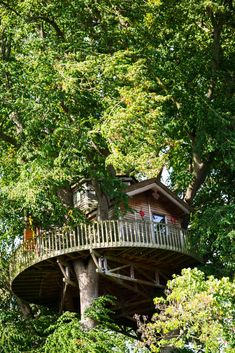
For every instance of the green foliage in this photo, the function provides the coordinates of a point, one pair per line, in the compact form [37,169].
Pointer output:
[18,335]
[212,224]
[197,313]
[69,336]
[169,87]
[53,96]
[133,84]
[101,310]
[48,333]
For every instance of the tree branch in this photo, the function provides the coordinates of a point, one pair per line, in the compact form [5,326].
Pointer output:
[51,22]
[7,6]
[200,172]
[33,18]
[14,117]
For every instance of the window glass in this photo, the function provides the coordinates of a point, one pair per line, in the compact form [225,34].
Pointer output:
[158,218]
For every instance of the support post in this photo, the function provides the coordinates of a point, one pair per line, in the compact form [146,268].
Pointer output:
[87,278]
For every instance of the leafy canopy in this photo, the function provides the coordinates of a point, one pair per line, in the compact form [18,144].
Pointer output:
[197,313]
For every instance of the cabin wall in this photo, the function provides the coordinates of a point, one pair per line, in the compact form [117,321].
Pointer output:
[85,200]
[143,205]
[148,204]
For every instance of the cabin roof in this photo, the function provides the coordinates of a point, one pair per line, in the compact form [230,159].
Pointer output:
[155,185]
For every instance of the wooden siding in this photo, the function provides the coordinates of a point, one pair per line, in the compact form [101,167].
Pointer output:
[146,203]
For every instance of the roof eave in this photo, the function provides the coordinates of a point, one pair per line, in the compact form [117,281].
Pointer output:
[181,204]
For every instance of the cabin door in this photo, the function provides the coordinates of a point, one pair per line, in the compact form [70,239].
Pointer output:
[159,226]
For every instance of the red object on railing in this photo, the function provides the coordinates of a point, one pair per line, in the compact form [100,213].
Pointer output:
[28,234]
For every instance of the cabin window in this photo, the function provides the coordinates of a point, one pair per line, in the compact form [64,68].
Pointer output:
[159,224]
[78,197]
[158,218]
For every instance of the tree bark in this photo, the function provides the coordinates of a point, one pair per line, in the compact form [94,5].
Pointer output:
[199,167]
[65,195]
[103,202]
[87,278]
[200,170]
[24,308]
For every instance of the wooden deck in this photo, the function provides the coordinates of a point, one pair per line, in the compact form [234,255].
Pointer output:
[134,259]
[99,235]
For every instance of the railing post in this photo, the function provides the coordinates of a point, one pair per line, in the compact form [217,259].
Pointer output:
[114,233]
[182,240]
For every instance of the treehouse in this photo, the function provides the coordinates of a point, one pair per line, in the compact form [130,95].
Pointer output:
[131,257]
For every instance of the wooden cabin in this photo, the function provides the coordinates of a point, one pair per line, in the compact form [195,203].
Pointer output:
[148,200]
[131,257]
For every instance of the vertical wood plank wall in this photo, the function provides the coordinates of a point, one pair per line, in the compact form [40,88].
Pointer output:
[148,204]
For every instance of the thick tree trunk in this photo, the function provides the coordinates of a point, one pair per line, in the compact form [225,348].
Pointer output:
[199,167]
[200,171]
[87,278]
[24,308]
[65,194]
[103,203]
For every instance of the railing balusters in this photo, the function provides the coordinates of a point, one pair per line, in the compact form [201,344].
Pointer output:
[148,232]
[137,229]
[82,239]
[73,239]
[120,234]
[87,234]
[54,236]
[170,237]
[108,233]
[84,234]
[128,237]
[60,240]
[49,242]
[176,235]
[67,241]
[177,238]
[139,232]
[113,233]
[79,235]
[95,234]
[112,230]
[131,233]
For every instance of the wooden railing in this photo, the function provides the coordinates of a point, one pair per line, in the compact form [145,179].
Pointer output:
[104,234]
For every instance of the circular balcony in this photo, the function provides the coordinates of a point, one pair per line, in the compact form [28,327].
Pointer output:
[152,250]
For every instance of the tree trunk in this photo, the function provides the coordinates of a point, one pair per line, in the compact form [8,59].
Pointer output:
[24,308]
[87,278]
[65,195]
[200,171]
[103,203]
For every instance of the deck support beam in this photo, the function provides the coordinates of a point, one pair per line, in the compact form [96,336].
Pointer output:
[66,300]
[87,278]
